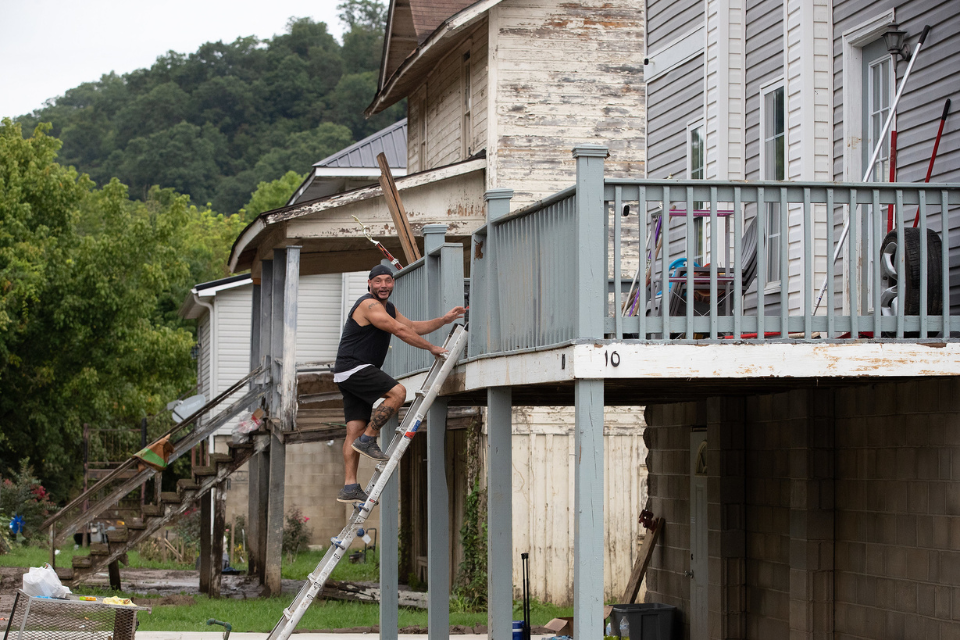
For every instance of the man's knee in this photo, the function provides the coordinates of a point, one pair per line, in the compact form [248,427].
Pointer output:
[397,393]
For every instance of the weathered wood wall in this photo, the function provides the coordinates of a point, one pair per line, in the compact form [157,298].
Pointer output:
[563,74]
[543,482]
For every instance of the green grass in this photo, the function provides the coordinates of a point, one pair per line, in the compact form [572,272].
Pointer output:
[261,615]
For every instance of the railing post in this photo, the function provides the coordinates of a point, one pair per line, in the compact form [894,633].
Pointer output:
[498,205]
[589,288]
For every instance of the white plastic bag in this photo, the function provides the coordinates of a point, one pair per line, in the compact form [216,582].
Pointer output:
[249,422]
[43,581]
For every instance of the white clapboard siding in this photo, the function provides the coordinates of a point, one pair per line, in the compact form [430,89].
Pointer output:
[543,497]
[318,317]
[203,359]
[232,319]
[354,287]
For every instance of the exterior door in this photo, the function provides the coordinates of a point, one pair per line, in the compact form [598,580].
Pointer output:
[698,535]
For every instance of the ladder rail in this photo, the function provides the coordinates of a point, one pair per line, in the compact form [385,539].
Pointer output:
[455,343]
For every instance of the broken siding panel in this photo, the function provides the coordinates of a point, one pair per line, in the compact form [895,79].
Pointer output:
[566,74]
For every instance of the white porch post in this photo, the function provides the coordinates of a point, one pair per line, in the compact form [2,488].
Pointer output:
[588,511]
[389,543]
[438,519]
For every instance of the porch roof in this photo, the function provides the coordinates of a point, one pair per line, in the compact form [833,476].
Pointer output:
[333,242]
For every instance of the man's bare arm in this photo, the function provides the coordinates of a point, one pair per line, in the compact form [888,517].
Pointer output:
[423,327]
[378,317]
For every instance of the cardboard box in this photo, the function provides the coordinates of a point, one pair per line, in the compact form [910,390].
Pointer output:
[561,626]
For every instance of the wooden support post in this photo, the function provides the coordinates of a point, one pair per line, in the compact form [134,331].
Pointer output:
[288,378]
[259,488]
[588,510]
[500,514]
[206,525]
[274,528]
[254,505]
[218,497]
[389,543]
[438,524]
[590,285]
[113,569]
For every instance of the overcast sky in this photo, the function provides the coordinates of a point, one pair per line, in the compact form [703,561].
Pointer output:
[49,46]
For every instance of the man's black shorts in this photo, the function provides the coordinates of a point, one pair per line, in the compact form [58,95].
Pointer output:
[361,390]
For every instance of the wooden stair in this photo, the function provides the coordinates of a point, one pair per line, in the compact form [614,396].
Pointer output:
[173,504]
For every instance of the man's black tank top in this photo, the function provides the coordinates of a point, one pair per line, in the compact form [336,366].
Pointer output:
[362,345]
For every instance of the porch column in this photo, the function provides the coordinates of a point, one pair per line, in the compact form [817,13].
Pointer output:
[590,282]
[206,525]
[218,500]
[588,510]
[274,527]
[500,514]
[438,522]
[389,543]
[259,465]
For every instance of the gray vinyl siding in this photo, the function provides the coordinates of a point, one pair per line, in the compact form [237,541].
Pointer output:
[764,62]
[668,20]
[934,78]
[673,100]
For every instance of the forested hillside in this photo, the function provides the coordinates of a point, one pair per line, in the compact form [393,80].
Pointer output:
[215,123]
[93,269]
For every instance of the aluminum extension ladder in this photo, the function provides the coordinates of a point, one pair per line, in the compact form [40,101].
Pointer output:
[455,343]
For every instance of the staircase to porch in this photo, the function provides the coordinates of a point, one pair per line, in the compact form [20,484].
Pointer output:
[168,506]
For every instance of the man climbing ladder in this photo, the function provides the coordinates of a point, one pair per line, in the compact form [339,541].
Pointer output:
[363,347]
[424,397]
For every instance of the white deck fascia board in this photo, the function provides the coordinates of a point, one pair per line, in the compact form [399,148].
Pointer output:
[703,362]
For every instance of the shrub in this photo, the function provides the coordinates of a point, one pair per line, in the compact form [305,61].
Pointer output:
[22,495]
[295,534]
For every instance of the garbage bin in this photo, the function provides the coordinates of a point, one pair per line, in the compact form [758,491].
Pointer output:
[646,621]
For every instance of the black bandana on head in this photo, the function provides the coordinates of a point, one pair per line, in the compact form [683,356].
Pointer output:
[380,270]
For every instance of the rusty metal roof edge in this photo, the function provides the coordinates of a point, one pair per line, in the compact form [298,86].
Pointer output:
[448,28]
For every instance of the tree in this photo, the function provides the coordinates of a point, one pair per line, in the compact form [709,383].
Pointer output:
[272,195]
[89,285]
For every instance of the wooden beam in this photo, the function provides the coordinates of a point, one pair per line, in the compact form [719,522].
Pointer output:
[640,568]
[219,500]
[206,521]
[392,196]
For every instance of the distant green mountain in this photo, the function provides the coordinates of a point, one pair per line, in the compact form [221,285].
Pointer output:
[217,122]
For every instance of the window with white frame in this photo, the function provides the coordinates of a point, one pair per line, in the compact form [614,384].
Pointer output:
[466,128]
[772,167]
[696,146]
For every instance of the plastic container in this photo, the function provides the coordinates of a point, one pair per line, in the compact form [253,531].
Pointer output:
[518,630]
[646,621]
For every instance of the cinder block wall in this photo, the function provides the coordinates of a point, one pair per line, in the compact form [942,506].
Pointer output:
[845,511]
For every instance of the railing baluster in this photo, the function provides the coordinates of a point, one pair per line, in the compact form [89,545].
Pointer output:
[714,254]
[644,222]
[690,263]
[617,294]
[784,265]
[923,261]
[853,252]
[761,262]
[945,263]
[831,305]
[664,264]
[877,272]
[737,263]
[901,264]
[807,266]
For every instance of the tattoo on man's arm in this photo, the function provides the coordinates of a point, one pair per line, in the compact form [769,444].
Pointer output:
[380,416]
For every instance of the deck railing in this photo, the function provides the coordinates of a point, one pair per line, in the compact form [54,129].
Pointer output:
[426,289]
[574,266]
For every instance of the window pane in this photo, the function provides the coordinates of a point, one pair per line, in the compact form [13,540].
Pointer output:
[780,111]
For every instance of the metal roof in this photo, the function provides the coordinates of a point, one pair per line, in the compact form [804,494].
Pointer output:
[392,141]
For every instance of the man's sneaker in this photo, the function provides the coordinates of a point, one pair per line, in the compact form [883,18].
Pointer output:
[369,449]
[354,494]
